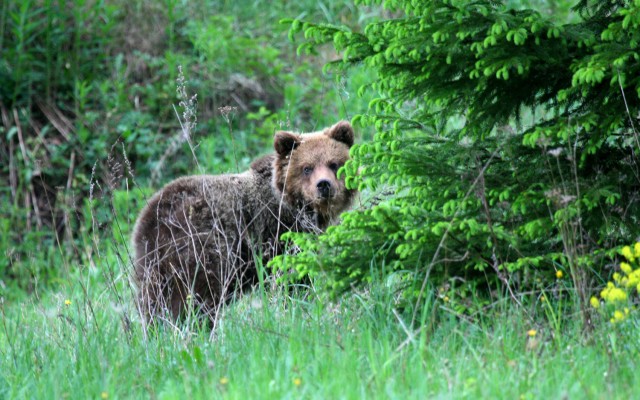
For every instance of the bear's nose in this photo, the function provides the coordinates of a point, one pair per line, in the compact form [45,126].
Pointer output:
[324,188]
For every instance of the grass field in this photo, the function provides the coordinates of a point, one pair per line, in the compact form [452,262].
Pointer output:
[85,341]
[69,329]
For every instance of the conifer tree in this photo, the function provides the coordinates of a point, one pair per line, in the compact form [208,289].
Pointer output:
[506,147]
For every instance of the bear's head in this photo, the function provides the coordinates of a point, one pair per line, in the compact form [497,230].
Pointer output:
[306,167]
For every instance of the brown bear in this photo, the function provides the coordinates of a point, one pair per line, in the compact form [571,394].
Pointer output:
[197,239]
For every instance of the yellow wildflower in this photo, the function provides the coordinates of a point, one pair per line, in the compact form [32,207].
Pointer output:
[627,253]
[605,292]
[613,295]
[624,282]
[618,316]
[297,381]
[617,294]
[104,395]
[67,302]
[224,380]
[616,277]
[634,278]
[559,274]
[532,341]
[626,268]
[595,303]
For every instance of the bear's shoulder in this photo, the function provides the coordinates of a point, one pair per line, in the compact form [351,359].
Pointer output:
[263,166]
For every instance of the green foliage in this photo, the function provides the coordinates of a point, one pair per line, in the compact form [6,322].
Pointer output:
[506,146]
[233,51]
[48,46]
[84,340]
[423,179]
[88,104]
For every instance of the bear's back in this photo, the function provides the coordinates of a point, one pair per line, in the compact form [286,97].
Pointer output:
[201,233]
[235,206]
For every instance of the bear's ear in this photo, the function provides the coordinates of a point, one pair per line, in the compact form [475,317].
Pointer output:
[342,132]
[285,142]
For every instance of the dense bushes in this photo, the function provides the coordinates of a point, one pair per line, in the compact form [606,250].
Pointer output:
[86,99]
[506,147]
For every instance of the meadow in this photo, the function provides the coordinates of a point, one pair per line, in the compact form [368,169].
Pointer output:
[494,251]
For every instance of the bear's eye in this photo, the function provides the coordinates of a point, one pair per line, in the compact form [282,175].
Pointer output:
[307,170]
[334,166]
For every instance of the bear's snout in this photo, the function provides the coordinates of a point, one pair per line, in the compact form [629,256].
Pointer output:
[324,188]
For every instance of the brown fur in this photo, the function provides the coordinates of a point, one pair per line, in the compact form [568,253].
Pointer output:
[196,239]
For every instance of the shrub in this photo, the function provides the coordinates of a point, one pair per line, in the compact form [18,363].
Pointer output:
[506,147]
[86,95]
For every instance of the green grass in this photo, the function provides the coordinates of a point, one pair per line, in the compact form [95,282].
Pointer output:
[269,344]
[273,345]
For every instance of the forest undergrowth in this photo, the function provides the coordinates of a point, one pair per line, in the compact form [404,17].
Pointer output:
[494,250]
